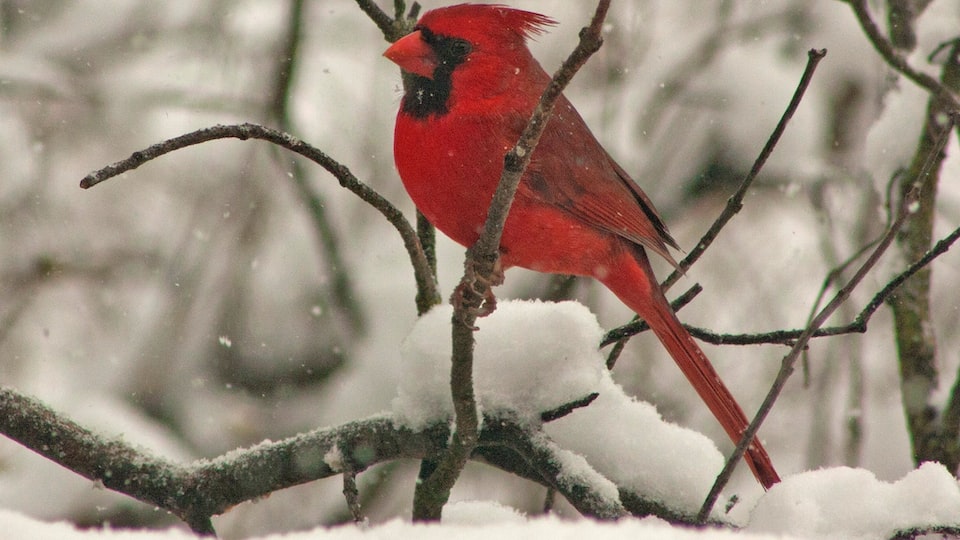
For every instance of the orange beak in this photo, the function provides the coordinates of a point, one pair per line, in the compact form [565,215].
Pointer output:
[413,55]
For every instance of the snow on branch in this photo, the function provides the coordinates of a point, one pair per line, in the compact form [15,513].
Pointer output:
[197,491]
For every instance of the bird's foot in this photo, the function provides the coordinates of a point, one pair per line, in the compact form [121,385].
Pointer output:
[474,295]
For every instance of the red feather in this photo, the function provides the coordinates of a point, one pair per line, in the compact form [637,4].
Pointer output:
[471,85]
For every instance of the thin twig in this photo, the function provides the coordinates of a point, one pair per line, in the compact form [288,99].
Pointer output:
[393,29]
[735,203]
[618,336]
[421,268]
[567,408]
[789,337]
[788,363]
[895,60]
[352,496]
[548,500]
[857,326]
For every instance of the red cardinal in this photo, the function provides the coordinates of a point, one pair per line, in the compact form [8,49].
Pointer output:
[470,86]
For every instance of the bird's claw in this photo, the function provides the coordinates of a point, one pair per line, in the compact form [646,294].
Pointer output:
[474,295]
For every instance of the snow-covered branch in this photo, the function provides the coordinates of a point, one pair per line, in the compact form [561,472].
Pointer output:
[207,487]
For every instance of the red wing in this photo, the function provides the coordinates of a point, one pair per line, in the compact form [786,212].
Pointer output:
[572,171]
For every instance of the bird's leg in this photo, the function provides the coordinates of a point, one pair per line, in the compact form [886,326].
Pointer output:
[475,291]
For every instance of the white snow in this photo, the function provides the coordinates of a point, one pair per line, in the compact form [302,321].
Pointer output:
[631,444]
[334,458]
[829,503]
[843,502]
[530,357]
[533,356]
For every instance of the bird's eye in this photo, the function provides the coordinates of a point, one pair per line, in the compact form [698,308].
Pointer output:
[460,48]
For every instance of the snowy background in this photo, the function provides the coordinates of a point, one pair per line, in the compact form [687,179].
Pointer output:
[189,305]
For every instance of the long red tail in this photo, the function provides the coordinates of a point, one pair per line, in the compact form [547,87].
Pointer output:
[634,283]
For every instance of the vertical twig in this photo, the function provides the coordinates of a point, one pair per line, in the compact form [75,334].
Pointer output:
[427,298]
[352,496]
[432,492]
[548,499]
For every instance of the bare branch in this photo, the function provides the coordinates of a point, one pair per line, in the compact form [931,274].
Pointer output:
[113,463]
[197,491]
[352,495]
[789,337]
[567,408]
[911,304]
[380,18]
[895,60]
[395,28]
[545,458]
[427,234]
[421,268]
[735,203]
[910,198]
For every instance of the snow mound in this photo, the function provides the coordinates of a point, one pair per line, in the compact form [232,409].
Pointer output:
[534,356]
[530,357]
[842,502]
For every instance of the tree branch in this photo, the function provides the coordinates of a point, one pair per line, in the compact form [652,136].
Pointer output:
[194,492]
[426,283]
[432,492]
[789,337]
[788,363]
[735,202]
[895,60]
[392,28]
[567,408]
[546,458]
[427,234]
[352,496]
[930,439]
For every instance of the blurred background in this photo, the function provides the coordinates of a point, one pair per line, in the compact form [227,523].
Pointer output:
[230,292]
